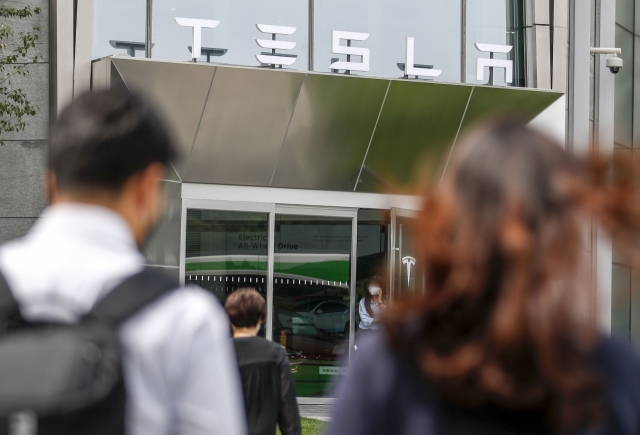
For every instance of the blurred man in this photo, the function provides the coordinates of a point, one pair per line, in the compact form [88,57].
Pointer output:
[267,382]
[109,152]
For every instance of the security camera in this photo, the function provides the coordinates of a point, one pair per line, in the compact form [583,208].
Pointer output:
[614,64]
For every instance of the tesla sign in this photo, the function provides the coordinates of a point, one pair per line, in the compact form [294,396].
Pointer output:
[410,69]
[409,262]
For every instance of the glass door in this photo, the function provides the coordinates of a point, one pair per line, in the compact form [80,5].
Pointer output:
[406,275]
[300,259]
[313,293]
[226,249]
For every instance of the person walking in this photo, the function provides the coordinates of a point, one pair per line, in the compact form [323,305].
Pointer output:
[108,154]
[503,340]
[269,390]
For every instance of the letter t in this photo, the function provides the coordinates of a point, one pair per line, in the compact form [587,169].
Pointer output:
[196,49]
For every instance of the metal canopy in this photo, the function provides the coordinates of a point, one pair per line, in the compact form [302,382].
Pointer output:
[296,129]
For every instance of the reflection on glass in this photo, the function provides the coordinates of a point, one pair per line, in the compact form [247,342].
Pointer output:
[312,268]
[372,251]
[498,22]
[624,92]
[118,27]
[227,251]
[162,248]
[236,33]
[435,25]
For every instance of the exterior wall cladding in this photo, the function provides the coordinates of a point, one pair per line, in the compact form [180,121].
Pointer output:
[24,156]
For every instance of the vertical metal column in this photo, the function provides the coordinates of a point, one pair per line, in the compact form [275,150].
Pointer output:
[84,39]
[183,240]
[603,134]
[400,256]
[538,43]
[463,41]
[578,77]
[311,32]
[392,255]
[270,265]
[352,283]
[149,30]
[560,38]
[62,57]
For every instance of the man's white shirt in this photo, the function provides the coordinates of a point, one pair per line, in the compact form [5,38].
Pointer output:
[178,361]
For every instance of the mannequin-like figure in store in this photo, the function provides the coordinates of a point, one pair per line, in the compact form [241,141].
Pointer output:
[372,305]
[267,382]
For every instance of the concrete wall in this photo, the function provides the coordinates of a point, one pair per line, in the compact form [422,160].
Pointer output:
[552,121]
[24,156]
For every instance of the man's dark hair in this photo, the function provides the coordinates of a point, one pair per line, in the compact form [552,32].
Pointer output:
[245,308]
[103,138]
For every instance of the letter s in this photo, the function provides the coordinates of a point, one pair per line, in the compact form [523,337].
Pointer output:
[336,48]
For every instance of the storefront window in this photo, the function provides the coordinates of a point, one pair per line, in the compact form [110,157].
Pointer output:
[434,25]
[227,251]
[118,27]
[233,41]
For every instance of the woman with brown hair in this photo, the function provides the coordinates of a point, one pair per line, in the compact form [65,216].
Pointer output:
[504,340]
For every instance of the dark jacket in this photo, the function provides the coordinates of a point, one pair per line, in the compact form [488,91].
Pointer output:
[269,391]
[383,395]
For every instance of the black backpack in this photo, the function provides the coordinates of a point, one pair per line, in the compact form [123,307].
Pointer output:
[67,379]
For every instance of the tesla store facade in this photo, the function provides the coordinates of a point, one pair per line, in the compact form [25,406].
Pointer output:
[304,129]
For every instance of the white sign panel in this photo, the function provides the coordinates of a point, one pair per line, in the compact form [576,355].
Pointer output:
[410,68]
[331,370]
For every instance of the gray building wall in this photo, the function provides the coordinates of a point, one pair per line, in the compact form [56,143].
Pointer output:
[24,156]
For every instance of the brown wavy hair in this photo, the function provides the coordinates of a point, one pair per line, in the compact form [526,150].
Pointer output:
[507,315]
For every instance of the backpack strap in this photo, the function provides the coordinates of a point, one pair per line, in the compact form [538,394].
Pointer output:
[131,296]
[9,309]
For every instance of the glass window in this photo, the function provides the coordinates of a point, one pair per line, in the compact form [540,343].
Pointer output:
[227,251]
[118,27]
[162,248]
[235,36]
[498,22]
[435,25]
[624,90]
[625,12]
[312,270]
